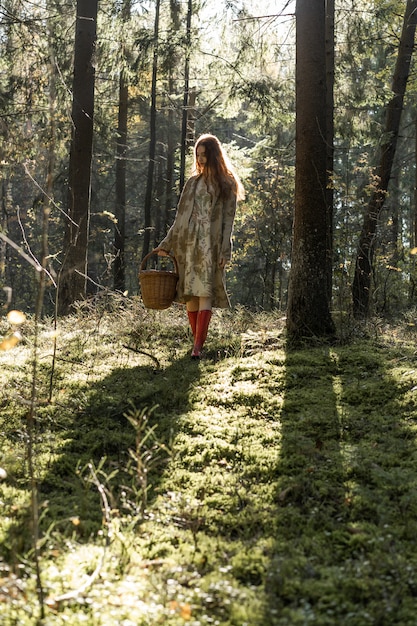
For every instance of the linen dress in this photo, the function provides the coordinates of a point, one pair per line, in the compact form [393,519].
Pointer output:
[198,271]
[199,237]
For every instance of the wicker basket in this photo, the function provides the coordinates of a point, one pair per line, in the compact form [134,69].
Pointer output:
[158,287]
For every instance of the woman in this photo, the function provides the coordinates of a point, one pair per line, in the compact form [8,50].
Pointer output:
[201,235]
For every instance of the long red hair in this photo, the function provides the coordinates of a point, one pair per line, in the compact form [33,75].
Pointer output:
[218,167]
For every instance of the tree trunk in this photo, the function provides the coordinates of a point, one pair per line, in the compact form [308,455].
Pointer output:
[394,246]
[49,186]
[330,138]
[169,174]
[120,208]
[415,191]
[159,194]
[121,152]
[186,95]
[361,286]
[3,226]
[412,289]
[152,139]
[73,275]
[172,138]
[191,117]
[308,311]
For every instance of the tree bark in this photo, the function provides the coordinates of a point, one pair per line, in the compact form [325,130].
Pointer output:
[73,275]
[3,226]
[308,312]
[330,12]
[152,139]
[172,138]
[121,152]
[120,208]
[412,288]
[361,287]
[415,191]
[49,186]
[169,174]
[186,95]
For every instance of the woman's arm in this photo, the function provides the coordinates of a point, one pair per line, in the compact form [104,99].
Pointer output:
[166,243]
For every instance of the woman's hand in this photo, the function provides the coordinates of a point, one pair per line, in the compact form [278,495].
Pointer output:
[161,252]
[222,263]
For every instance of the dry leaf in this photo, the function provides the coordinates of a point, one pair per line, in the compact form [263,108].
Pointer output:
[11,341]
[186,611]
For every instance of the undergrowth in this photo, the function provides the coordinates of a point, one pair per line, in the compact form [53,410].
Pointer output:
[261,486]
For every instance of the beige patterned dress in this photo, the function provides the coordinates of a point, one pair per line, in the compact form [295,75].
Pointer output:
[198,274]
[200,236]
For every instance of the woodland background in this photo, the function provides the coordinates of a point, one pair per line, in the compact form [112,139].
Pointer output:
[231,66]
[270,483]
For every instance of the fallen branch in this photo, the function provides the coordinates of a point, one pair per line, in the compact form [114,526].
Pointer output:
[151,356]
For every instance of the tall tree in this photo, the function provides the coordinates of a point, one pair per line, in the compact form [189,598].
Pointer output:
[361,287]
[186,95]
[121,153]
[152,137]
[308,311]
[171,144]
[49,185]
[414,238]
[73,274]
[3,227]
[330,57]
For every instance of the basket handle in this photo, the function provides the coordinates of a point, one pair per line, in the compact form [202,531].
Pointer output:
[145,258]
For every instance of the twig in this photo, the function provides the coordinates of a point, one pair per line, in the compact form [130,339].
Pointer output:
[151,356]
[71,595]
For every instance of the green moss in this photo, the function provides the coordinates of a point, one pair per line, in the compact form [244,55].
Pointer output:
[261,487]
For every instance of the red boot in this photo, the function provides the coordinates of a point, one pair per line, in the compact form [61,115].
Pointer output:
[192,318]
[203,321]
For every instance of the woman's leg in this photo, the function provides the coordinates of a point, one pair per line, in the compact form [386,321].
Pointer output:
[192,312]
[193,303]
[204,303]
[203,321]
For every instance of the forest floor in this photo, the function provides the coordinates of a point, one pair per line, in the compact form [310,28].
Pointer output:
[261,486]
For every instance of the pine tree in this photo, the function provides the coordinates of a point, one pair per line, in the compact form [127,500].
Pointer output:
[308,311]
[73,275]
[361,287]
